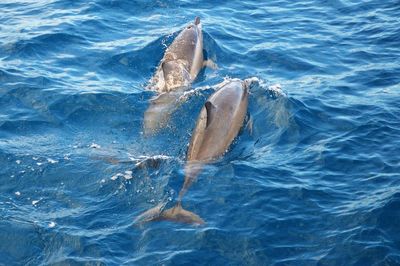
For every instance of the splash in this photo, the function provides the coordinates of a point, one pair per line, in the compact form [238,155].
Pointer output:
[196,91]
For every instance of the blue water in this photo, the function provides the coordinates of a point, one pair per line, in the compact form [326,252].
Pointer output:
[316,182]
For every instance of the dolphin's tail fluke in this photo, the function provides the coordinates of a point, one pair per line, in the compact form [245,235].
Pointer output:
[175,214]
[179,214]
[150,215]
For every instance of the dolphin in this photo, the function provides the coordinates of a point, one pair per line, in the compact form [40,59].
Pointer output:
[217,126]
[182,60]
[179,67]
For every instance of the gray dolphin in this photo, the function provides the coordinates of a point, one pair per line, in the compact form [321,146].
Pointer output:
[182,60]
[217,126]
[159,111]
[179,67]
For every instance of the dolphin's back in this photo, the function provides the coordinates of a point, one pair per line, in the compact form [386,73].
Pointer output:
[219,122]
[184,45]
[182,60]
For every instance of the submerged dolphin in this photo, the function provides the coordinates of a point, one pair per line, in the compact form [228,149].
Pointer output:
[218,124]
[179,67]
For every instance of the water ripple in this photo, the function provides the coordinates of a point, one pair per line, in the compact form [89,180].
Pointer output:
[314,182]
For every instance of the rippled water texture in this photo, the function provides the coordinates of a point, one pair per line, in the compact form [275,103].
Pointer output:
[316,182]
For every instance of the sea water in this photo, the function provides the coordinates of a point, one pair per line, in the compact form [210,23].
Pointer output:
[316,181]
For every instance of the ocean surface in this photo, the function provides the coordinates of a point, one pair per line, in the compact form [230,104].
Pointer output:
[315,182]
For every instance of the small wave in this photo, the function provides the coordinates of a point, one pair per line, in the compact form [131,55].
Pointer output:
[140,63]
[43,44]
[196,91]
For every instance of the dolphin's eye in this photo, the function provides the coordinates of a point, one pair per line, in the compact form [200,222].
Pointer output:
[189,27]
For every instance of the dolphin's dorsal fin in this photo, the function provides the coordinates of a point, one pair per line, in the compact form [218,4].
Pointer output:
[210,112]
[162,67]
[166,67]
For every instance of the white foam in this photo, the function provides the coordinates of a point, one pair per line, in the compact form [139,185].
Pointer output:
[277,88]
[52,224]
[160,156]
[95,146]
[128,175]
[115,177]
[142,159]
[52,161]
[254,79]
[17,193]
[34,202]
[18,161]
[191,92]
